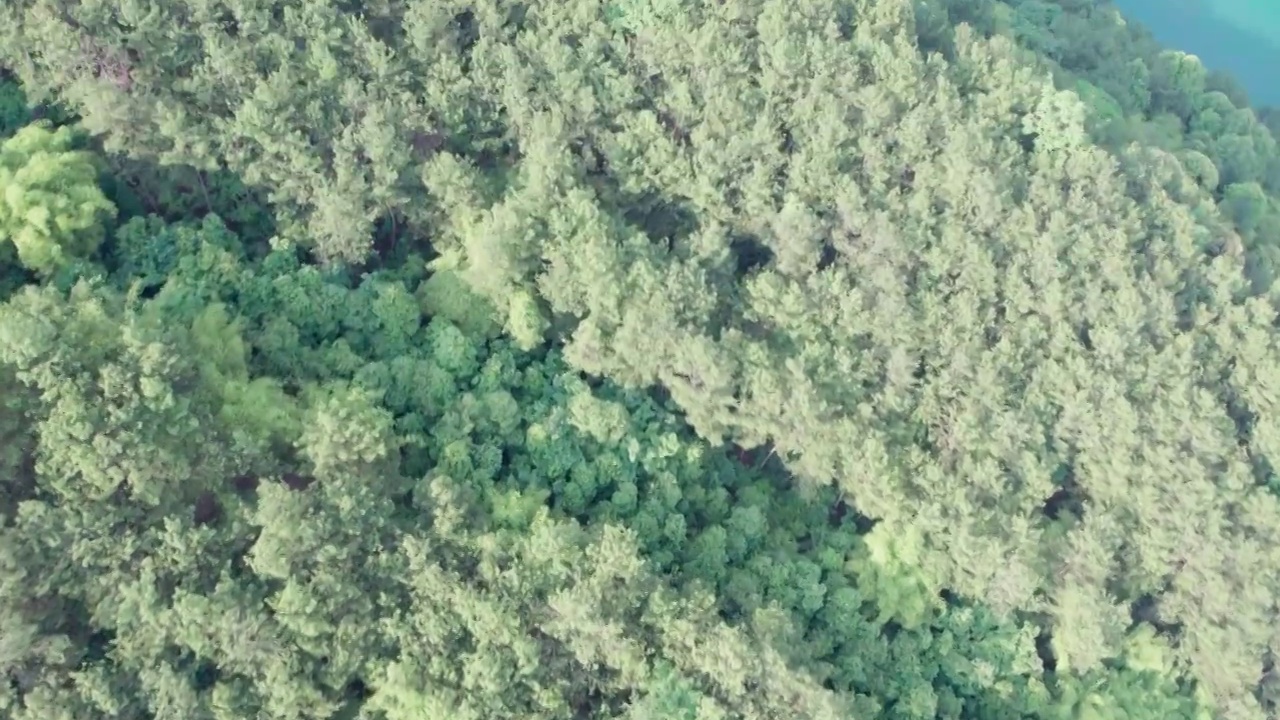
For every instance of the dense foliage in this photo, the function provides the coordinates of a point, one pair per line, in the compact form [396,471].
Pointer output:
[650,359]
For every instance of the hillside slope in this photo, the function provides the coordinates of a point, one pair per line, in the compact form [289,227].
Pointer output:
[849,358]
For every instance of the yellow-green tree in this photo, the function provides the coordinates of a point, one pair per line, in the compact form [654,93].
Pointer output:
[51,207]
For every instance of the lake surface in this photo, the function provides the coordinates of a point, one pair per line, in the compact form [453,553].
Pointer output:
[1241,37]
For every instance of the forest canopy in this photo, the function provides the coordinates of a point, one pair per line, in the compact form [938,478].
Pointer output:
[859,359]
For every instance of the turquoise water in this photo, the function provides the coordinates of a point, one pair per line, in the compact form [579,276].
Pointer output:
[1241,37]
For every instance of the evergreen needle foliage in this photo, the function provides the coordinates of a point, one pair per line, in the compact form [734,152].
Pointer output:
[648,359]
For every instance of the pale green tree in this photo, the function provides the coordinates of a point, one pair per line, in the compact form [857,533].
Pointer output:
[51,207]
